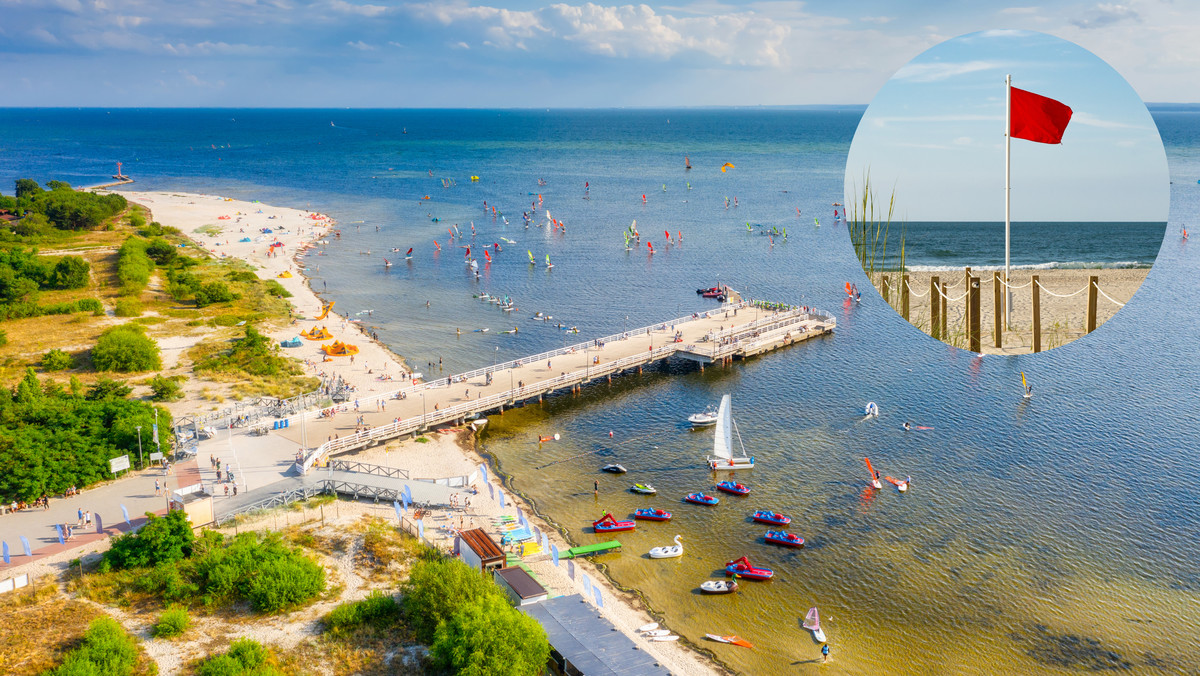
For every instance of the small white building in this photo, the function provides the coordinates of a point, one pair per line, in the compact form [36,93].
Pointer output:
[520,586]
[479,551]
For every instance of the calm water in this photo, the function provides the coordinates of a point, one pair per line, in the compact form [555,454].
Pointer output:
[951,246]
[1032,527]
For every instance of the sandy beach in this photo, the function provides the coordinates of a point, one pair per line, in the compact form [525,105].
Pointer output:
[451,453]
[1063,318]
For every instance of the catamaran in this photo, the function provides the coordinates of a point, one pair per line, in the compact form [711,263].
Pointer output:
[722,457]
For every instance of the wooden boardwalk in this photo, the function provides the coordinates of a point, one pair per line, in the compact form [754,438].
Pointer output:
[733,331]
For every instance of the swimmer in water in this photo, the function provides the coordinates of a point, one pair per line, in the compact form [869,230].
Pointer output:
[907,426]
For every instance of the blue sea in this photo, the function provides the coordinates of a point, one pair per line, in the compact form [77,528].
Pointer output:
[1049,535]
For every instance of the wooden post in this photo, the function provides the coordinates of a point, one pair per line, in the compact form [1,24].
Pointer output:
[1093,287]
[973,338]
[967,294]
[945,290]
[904,297]
[996,308]
[1037,313]
[935,307]
[885,288]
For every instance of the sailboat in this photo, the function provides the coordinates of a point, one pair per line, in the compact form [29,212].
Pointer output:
[812,622]
[1026,387]
[408,254]
[531,261]
[548,263]
[722,457]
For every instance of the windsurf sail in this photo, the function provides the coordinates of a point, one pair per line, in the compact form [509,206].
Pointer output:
[818,223]
[668,234]
[439,246]
[1024,384]
[874,474]
[548,263]
[726,166]
[849,289]
[651,246]
[812,621]
[530,252]
[408,253]
[487,255]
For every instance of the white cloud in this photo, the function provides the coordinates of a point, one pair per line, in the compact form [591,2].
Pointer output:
[879,20]
[43,35]
[1089,120]
[369,11]
[1019,10]
[933,72]
[460,45]
[1106,14]
[361,46]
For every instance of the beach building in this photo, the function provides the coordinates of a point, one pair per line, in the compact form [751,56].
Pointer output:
[583,642]
[194,502]
[521,587]
[479,551]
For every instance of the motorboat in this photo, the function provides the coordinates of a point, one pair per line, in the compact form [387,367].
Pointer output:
[743,568]
[669,552]
[614,468]
[733,488]
[718,586]
[773,518]
[609,524]
[651,514]
[701,499]
[644,489]
[722,456]
[779,537]
[708,417]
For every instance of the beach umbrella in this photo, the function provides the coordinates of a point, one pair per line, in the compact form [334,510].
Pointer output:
[125,512]
[599,599]
[554,554]
[25,546]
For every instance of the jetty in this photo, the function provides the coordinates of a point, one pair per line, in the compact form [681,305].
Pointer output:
[715,336]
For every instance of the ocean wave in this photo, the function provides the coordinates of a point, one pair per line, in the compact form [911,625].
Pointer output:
[1053,265]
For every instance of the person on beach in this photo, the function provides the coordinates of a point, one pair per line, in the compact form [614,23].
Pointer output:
[157,488]
[596,487]
[824,653]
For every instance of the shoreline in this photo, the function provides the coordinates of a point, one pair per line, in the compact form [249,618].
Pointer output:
[626,609]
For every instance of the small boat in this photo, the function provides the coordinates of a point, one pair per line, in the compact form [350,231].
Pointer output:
[773,518]
[812,622]
[651,514]
[779,537]
[552,437]
[718,586]
[481,330]
[871,410]
[670,552]
[609,524]
[733,488]
[742,567]
[735,640]
[711,289]
[613,468]
[664,638]
[648,627]
[701,499]
[722,457]
[708,417]
[644,489]
[656,632]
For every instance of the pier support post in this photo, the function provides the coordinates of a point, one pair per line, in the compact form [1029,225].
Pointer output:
[904,297]
[974,342]
[997,314]
[1034,290]
[639,370]
[610,379]
[1093,287]
[935,307]
[702,367]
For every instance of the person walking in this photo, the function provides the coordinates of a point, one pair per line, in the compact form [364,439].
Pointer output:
[226,490]
[824,653]
[157,488]
[87,518]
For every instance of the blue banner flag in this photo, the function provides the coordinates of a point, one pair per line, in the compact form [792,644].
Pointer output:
[483,472]
[587,584]
[421,529]
[501,494]
[396,506]
[25,546]
[599,599]
[491,491]
[99,525]
[58,527]
[570,569]
[545,542]
[125,512]
[6,559]
[554,553]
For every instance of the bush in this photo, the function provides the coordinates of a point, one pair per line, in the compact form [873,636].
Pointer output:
[436,589]
[213,292]
[287,582]
[57,360]
[106,651]
[128,307]
[133,266]
[165,389]
[245,656]
[182,285]
[276,289]
[3,337]
[173,622]
[71,272]
[161,251]
[488,636]
[92,305]
[126,348]
[107,388]
[376,610]
[161,540]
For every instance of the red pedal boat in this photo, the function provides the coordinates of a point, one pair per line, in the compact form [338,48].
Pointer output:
[701,499]
[651,514]
[773,518]
[608,524]
[779,537]
[743,568]
[733,487]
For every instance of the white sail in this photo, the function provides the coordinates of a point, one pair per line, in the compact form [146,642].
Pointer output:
[723,437]
[812,621]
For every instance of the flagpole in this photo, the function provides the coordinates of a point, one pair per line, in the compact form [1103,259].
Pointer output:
[1007,193]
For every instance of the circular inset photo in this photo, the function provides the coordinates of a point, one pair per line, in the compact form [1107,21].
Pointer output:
[1006,192]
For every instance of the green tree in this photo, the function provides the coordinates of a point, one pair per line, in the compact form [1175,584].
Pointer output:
[488,636]
[161,251]
[165,389]
[106,651]
[27,187]
[436,589]
[71,272]
[165,539]
[107,388]
[33,225]
[126,348]
[15,288]
[57,360]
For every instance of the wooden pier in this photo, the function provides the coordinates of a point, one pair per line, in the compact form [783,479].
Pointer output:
[718,336]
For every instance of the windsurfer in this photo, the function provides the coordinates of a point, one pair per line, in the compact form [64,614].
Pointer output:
[907,426]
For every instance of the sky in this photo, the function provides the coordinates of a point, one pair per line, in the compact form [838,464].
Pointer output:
[934,137]
[523,53]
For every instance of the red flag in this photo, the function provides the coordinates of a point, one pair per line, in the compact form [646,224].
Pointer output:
[1038,118]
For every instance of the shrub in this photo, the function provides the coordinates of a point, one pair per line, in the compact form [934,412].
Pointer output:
[106,651]
[133,266]
[128,307]
[161,251]
[276,289]
[436,589]
[161,540]
[173,622]
[213,292]
[245,656]
[57,360]
[488,636]
[126,348]
[285,582]
[376,609]
[107,388]
[33,225]
[92,305]
[165,389]
[71,272]
[3,337]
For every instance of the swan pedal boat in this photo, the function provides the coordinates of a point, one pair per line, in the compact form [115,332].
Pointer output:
[733,488]
[773,518]
[701,499]
[718,586]
[742,567]
[651,514]
[671,552]
[609,524]
[779,537]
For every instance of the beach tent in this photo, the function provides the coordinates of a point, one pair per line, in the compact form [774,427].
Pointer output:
[339,349]
[317,334]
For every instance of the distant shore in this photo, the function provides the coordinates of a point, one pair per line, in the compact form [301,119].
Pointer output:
[1062,319]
